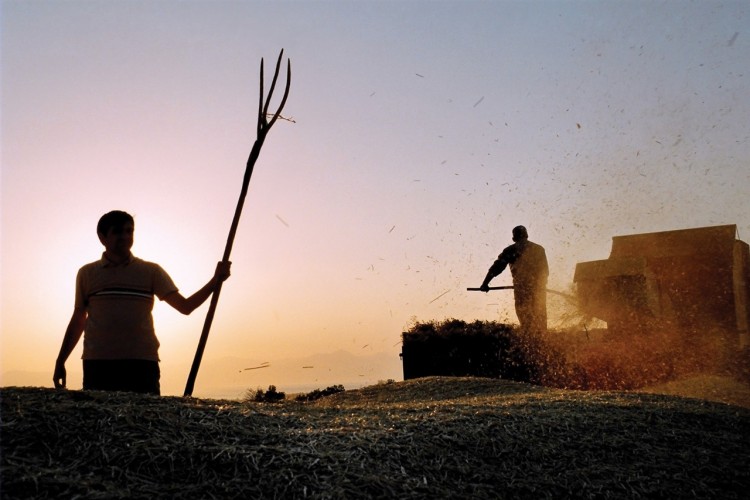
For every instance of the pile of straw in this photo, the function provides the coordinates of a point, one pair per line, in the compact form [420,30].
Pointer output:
[423,438]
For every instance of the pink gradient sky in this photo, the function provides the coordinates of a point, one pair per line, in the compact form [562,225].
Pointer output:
[424,132]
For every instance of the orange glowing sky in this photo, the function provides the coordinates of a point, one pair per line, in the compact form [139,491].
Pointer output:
[424,132]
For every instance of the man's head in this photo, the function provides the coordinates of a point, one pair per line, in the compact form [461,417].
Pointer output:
[115,231]
[520,234]
[115,219]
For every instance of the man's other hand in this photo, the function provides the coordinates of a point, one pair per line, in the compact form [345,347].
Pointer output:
[60,376]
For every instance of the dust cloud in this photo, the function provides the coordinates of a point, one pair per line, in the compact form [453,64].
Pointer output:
[710,364]
[600,359]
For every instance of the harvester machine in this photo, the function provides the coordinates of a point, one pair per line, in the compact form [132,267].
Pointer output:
[696,281]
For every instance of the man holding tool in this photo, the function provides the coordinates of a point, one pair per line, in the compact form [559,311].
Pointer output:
[528,266]
[113,305]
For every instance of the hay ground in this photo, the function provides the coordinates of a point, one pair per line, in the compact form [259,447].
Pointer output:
[423,438]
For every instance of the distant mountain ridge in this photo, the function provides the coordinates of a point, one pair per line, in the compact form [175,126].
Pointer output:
[230,377]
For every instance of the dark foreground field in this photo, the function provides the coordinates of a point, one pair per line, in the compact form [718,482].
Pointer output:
[425,438]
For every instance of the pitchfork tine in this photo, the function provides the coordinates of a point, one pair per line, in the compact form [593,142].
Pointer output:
[261,115]
[286,91]
[273,82]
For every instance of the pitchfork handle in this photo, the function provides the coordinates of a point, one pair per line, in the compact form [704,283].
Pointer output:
[490,288]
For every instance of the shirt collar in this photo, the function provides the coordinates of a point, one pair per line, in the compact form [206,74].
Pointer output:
[105,262]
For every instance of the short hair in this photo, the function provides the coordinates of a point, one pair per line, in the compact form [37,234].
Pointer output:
[114,219]
[520,233]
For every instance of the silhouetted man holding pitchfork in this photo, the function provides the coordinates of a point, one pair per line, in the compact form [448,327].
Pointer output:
[528,266]
[113,304]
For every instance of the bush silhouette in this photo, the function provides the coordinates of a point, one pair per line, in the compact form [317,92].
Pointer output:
[482,349]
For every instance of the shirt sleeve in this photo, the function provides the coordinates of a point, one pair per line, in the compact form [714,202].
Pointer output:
[497,267]
[81,299]
[508,256]
[163,284]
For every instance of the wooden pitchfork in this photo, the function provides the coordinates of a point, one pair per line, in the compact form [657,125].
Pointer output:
[263,127]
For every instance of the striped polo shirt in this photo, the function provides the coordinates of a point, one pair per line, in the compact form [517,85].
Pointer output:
[119,300]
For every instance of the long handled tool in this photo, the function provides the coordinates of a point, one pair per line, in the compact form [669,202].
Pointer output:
[263,127]
[490,288]
[570,298]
